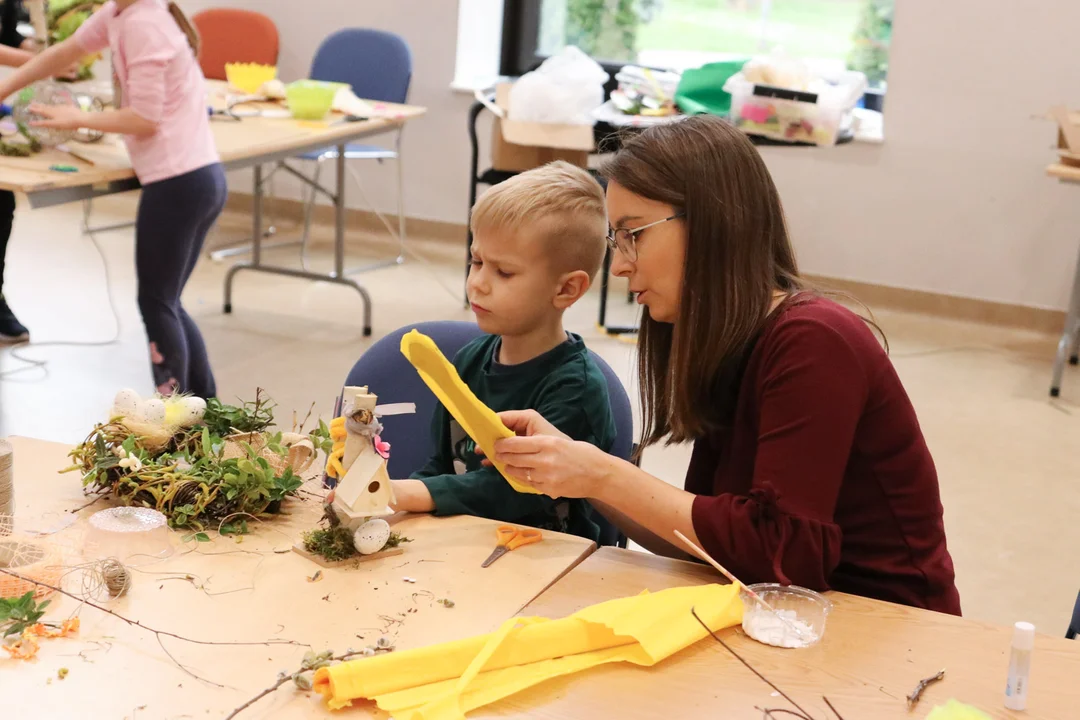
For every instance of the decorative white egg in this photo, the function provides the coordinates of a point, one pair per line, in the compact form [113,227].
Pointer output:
[152,410]
[192,410]
[371,537]
[126,403]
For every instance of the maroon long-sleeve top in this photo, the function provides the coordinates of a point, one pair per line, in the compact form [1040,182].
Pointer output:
[822,478]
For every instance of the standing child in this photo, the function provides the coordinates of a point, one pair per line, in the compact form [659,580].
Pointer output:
[11,330]
[161,111]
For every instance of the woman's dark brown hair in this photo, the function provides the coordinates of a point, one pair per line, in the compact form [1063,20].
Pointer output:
[737,255]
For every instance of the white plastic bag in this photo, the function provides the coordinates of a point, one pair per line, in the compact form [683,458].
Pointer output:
[565,89]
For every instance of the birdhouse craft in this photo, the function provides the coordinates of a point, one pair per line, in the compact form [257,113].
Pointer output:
[364,489]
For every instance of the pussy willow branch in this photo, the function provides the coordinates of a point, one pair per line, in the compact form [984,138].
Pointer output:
[751,668]
[284,679]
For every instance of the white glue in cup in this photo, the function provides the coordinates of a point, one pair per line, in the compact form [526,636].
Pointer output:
[1016,688]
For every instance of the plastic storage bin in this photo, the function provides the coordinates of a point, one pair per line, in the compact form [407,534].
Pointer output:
[795,115]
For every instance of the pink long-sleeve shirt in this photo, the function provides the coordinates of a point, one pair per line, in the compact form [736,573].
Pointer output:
[160,80]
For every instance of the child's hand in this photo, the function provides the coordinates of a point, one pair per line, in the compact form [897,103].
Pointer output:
[58,116]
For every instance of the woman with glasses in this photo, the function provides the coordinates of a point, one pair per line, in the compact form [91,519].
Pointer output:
[809,466]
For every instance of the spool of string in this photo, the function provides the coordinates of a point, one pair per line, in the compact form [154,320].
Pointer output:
[7,489]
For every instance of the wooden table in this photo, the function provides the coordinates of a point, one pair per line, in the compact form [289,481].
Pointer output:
[871,657]
[248,142]
[247,591]
[1069,345]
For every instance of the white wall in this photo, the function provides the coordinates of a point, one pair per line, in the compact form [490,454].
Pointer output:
[954,202]
[436,146]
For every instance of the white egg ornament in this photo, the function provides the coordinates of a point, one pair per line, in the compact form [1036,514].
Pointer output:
[371,537]
[126,403]
[184,410]
[152,410]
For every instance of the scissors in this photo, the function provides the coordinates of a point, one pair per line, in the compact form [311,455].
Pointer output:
[511,538]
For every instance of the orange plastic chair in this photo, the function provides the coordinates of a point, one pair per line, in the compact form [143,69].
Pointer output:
[230,35]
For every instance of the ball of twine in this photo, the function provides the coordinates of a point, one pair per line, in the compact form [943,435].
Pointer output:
[117,578]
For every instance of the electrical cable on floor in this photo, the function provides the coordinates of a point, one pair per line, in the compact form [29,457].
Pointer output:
[33,363]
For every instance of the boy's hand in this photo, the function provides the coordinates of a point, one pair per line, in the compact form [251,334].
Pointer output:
[412,496]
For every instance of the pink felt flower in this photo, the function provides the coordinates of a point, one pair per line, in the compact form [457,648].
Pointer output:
[383,448]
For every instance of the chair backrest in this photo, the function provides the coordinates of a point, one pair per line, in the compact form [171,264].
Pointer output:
[377,64]
[229,35]
[1074,626]
[391,377]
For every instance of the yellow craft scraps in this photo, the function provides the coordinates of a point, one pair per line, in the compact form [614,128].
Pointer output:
[476,418]
[955,710]
[443,682]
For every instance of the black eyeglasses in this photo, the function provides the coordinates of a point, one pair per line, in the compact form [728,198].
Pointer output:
[625,239]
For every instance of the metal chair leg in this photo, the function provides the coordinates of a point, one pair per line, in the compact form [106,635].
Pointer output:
[400,199]
[309,210]
[1069,337]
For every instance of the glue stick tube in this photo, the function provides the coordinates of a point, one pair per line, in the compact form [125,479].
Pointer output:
[1023,642]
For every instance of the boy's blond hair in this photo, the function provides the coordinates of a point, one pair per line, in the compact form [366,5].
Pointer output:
[561,202]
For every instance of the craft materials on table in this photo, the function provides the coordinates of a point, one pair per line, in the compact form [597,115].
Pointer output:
[511,538]
[444,682]
[799,631]
[476,418]
[7,488]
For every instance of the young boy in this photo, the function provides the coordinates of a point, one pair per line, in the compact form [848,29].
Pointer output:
[538,241]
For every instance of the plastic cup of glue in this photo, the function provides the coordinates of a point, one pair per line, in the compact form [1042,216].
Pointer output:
[802,614]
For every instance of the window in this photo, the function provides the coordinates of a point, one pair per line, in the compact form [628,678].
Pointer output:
[680,34]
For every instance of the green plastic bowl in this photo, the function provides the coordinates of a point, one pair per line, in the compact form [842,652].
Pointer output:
[311,99]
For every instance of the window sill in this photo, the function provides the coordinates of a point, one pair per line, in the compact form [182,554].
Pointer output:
[469,85]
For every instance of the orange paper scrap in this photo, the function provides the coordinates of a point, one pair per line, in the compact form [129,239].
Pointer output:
[444,682]
[476,418]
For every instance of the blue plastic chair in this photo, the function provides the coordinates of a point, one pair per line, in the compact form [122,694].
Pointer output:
[1074,626]
[386,371]
[378,66]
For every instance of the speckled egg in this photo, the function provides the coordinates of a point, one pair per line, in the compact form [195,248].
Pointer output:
[152,410]
[190,411]
[371,537]
[126,403]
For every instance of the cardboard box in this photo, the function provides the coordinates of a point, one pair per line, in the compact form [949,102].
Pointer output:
[518,146]
[1068,135]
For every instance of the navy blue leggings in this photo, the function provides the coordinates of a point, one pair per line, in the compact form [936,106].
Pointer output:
[7,217]
[173,219]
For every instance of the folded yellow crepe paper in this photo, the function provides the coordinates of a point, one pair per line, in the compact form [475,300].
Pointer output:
[443,682]
[476,418]
[955,710]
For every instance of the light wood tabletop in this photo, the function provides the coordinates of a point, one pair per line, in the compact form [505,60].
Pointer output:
[241,143]
[253,589]
[871,657]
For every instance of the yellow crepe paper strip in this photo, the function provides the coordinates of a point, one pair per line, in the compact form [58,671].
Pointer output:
[955,710]
[443,682]
[476,418]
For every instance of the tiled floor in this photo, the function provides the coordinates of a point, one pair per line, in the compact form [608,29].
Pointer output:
[1008,457]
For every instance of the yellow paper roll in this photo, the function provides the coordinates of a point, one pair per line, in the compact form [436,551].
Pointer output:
[476,418]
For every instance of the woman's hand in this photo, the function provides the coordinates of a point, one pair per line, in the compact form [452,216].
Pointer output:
[58,116]
[548,460]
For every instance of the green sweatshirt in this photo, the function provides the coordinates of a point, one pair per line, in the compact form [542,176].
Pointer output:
[566,387]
